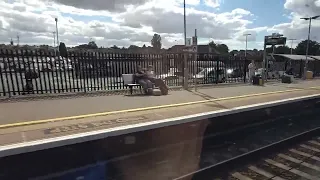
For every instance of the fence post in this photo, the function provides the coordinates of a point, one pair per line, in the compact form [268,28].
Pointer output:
[245,70]
[2,70]
[185,71]
[217,70]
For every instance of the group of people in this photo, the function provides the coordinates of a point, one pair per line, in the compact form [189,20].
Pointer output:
[145,77]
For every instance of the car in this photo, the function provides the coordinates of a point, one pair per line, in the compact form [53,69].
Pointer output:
[235,73]
[209,75]
[172,74]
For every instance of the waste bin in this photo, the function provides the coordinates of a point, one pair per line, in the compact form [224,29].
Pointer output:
[257,80]
[309,75]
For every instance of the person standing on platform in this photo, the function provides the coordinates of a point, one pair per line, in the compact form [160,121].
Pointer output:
[251,68]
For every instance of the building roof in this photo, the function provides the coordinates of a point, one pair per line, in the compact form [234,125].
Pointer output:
[316,57]
[294,57]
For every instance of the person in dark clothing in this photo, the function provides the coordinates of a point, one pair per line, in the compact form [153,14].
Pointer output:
[289,71]
[158,82]
[142,79]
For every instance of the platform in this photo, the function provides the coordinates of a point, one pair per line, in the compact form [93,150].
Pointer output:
[30,121]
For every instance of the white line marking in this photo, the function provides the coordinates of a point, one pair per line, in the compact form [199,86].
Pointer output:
[240,176]
[265,173]
[48,143]
[294,171]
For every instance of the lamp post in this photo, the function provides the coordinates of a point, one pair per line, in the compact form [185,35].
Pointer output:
[54,42]
[184,22]
[307,49]
[291,43]
[54,38]
[245,52]
[57,32]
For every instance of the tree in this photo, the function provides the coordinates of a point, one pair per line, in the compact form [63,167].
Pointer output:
[156,41]
[63,50]
[212,44]
[115,47]
[144,46]
[92,45]
[314,48]
[222,48]
[133,47]
[283,50]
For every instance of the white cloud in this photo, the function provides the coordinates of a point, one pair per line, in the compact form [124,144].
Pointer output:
[134,22]
[298,28]
[212,3]
[110,5]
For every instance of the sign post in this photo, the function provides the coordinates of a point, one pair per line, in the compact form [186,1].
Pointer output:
[195,43]
[273,40]
[189,49]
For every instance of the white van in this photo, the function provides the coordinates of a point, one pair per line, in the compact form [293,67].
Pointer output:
[208,75]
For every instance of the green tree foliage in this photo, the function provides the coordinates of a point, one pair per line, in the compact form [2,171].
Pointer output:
[133,47]
[222,48]
[156,41]
[92,45]
[212,44]
[314,48]
[280,50]
[115,47]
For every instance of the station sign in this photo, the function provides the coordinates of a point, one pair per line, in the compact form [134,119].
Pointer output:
[275,40]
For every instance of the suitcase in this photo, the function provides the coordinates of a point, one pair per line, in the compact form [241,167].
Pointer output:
[286,79]
[255,80]
[157,92]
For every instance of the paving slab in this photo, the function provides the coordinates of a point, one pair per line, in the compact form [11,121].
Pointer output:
[16,112]
[19,134]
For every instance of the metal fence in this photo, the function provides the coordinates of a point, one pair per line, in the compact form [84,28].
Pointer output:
[37,72]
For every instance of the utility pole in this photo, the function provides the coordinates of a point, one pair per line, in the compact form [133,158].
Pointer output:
[245,52]
[185,22]
[54,38]
[291,43]
[56,19]
[18,39]
[307,50]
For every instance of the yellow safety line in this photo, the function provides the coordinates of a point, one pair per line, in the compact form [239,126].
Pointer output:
[145,108]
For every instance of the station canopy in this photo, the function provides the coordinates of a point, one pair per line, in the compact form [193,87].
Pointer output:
[316,57]
[297,57]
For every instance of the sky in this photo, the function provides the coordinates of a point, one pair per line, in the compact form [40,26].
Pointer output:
[133,22]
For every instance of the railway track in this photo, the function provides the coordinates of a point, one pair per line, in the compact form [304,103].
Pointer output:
[294,158]
[299,162]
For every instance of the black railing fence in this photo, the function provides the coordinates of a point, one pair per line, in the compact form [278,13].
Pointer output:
[37,72]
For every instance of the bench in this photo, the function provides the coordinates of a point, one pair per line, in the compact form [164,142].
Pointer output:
[128,81]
